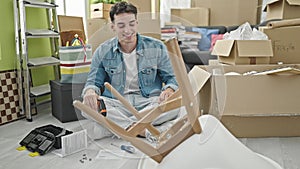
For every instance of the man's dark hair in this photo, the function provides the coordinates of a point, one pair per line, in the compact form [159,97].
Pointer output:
[122,7]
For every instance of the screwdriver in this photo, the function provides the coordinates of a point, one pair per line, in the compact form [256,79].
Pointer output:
[128,149]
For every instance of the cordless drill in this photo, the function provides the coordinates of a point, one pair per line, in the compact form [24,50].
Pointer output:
[101,107]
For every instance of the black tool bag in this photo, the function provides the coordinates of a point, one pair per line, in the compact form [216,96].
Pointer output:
[42,139]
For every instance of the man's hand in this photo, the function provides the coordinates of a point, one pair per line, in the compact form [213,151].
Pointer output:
[90,99]
[165,94]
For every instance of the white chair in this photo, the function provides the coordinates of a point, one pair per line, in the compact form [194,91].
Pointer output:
[214,148]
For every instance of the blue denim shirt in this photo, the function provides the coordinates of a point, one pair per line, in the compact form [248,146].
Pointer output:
[154,68]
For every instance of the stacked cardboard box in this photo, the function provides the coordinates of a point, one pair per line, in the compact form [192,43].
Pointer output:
[146,6]
[96,10]
[230,12]
[285,46]
[190,16]
[94,25]
[282,33]
[148,17]
[100,10]
[258,100]
[99,30]
[282,9]
[265,105]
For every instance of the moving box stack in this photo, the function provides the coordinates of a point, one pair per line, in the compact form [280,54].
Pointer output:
[254,87]
[99,28]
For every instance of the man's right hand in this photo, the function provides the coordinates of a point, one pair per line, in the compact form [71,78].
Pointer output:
[90,99]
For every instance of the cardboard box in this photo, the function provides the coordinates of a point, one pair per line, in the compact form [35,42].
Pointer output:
[147,26]
[96,10]
[286,46]
[96,14]
[282,9]
[100,10]
[106,10]
[67,23]
[237,52]
[259,14]
[146,6]
[229,12]
[96,7]
[101,35]
[62,96]
[253,105]
[95,25]
[190,16]
[71,23]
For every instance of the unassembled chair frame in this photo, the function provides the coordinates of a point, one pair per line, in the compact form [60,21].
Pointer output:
[177,133]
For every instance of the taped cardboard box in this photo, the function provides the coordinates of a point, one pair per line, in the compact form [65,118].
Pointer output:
[282,9]
[286,47]
[253,105]
[230,12]
[190,16]
[237,52]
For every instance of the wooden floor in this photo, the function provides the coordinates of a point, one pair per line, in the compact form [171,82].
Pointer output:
[285,151]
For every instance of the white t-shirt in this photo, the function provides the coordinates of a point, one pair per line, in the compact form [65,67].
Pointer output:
[131,84]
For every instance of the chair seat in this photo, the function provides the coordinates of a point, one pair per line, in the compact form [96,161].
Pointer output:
[214,148]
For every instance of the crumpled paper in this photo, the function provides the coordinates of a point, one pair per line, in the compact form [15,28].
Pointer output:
[245,32]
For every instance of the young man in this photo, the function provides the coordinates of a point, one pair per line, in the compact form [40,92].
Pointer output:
[138,67]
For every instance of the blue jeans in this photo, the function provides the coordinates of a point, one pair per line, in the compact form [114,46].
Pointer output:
[117,113]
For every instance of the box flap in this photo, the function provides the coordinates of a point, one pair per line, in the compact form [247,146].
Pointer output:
[198,78]
[293,2]
[223,47]
[272,1]
[290,2]
[280,70]
[255,48]
[268,3]
[67,23]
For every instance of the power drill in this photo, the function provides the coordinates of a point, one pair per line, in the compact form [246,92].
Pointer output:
[101,107]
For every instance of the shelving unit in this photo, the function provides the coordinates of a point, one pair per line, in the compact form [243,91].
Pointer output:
[28,91]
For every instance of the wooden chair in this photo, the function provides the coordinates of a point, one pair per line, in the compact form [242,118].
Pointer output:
[176,134]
